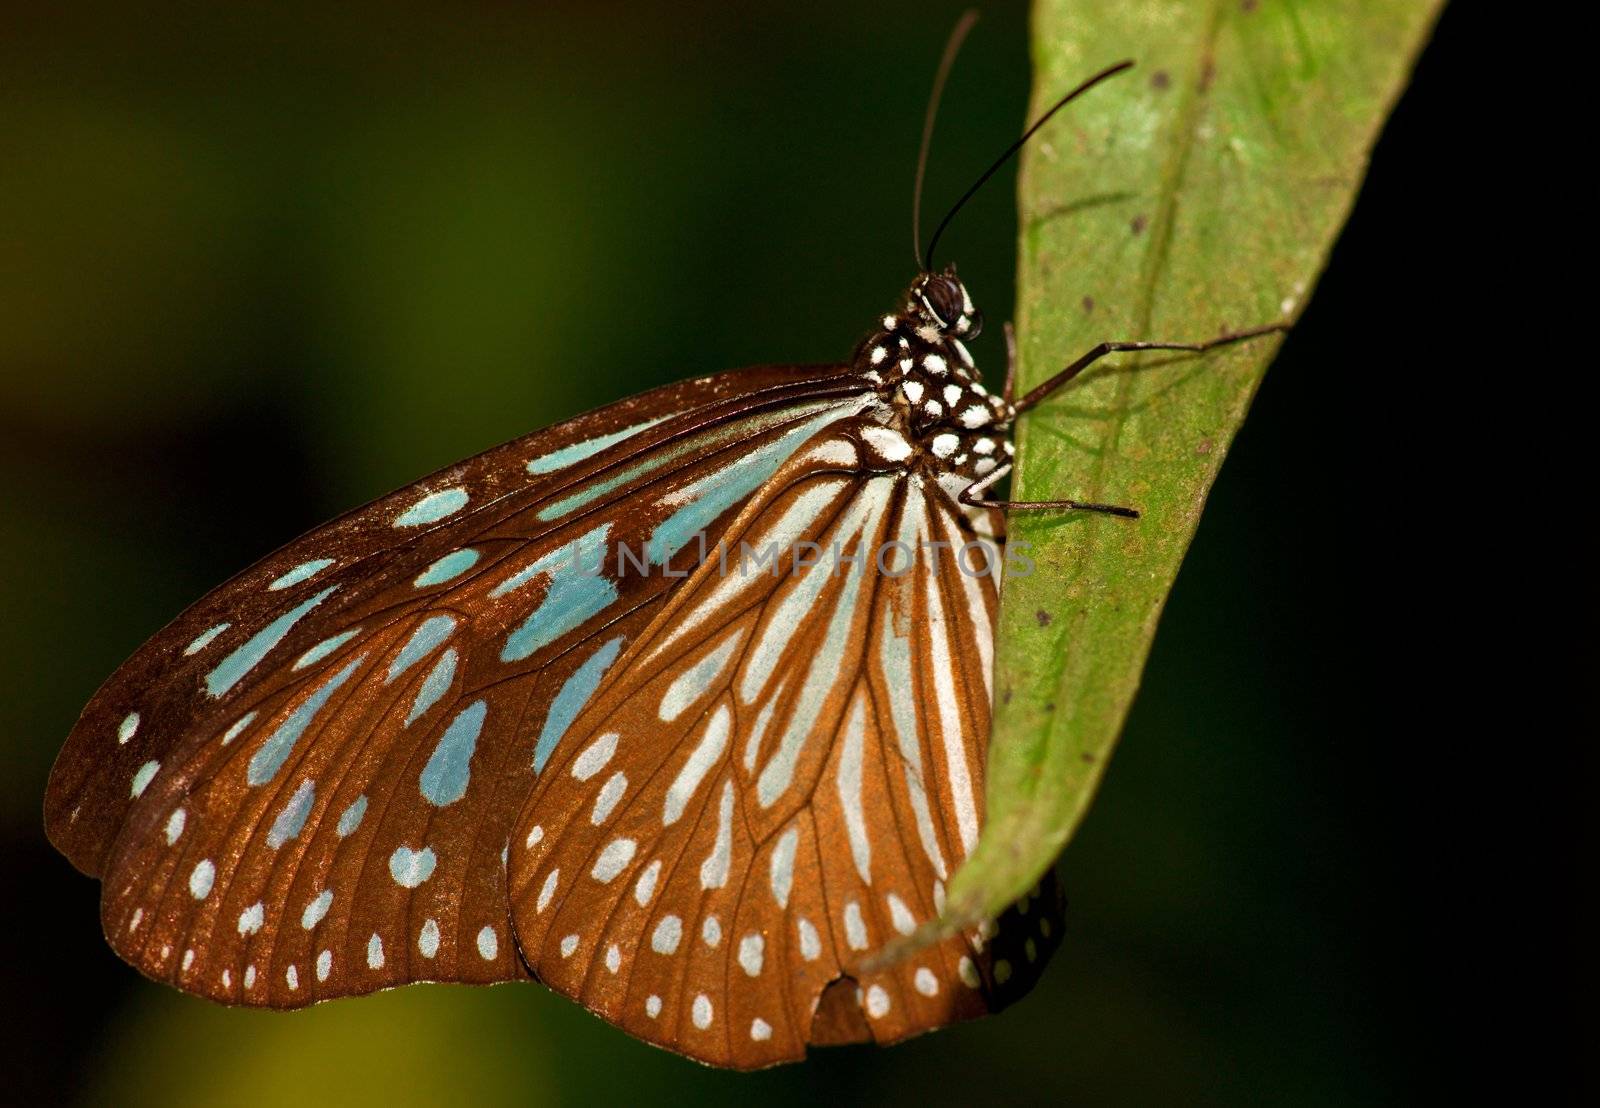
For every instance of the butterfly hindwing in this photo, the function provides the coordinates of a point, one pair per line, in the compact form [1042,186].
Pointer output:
[777,778]
[303,787]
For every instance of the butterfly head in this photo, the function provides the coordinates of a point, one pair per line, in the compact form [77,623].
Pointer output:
[941,302]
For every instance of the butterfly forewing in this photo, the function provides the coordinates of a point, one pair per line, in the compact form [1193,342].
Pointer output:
[681,706]
[777,779]
[304,786]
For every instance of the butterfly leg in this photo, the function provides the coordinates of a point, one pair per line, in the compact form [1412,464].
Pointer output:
[1033,398]
[973,495]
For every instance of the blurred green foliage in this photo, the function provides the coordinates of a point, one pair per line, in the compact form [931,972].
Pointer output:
[261,263]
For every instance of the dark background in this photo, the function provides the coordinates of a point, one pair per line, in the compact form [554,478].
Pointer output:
[258,266]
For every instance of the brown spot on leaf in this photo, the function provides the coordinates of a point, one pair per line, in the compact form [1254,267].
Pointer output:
[1204,447]
[1043,617]
[1139,223]
[1088,304]
[1087,757]
[1247,6]
[1160,79]
[1208,74]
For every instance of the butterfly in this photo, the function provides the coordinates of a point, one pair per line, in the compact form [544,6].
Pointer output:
[679,707]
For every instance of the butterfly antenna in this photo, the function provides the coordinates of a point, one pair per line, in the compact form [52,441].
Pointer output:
[951,48]
[1112,71]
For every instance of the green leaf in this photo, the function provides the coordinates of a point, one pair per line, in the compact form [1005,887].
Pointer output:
[1197,194]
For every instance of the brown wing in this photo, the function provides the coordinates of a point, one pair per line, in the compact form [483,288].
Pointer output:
[303,787]
[777,779]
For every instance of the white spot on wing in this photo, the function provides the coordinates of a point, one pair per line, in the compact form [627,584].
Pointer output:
[714,870]
[848,780]
[877,1002]
[547,890]
[645,887]
[810,941]
[781,875]
[251,919]
[667,935]
[855,928]
[751,949]
[608,796]
[900,915]
[201,878]
[613,860]
[595,756]
[713,742]
[951,731]
[697,680]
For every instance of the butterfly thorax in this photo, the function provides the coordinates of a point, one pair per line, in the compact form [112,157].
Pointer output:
[929,384]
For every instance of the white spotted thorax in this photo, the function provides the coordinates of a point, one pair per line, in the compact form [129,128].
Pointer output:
[930,388]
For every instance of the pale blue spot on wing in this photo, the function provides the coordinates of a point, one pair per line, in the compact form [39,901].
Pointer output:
[448,568]
[324,648]
[432,508]
[696,445]
[265,762]
[585,553]
[315,910]
[577,592]
[444,779]
[351,818]
[435,685]
[203,639]
[706,499]
[232,668]
[302,572]
[238,727]
[428,635]
[567,606]
[596,489]
[428,939]
[292,819]
[571,699]
[411,868]
[146,774]
[578,451]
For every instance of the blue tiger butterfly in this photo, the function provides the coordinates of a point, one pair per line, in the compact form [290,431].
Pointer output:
[521,719]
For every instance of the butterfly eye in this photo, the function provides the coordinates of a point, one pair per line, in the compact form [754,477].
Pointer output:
[943,298]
